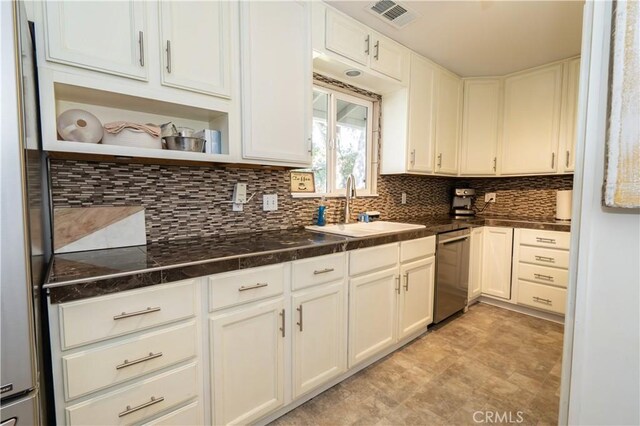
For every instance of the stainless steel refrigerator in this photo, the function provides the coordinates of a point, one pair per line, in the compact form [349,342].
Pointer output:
[24,222]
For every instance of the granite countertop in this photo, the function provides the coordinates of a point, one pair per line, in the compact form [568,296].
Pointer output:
[79,275]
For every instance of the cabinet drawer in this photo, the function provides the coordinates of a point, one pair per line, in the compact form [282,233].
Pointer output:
[139,401]
[100,318]
[98,368]
[187,415]
[373,258]
[544,275]
[544,257]
[318,270]
[549,239]
[542,296]
[415,249]
[248,285]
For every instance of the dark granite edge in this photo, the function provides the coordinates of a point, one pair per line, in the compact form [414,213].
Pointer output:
[106,284]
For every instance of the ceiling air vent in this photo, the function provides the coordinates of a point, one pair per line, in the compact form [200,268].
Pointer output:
[392,13]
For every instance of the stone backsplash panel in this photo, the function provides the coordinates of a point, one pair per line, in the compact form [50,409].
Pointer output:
[183,201]
[526,197]
[189,201]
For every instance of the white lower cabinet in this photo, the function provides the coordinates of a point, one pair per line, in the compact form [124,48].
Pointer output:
[128,357]
[319,333]
[247,374]
[372,313]
[475,263]
[416,298]
[388,305]
[139,401]
[496,261]
[541,269]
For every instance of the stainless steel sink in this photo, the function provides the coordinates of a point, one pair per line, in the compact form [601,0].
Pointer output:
[361,229]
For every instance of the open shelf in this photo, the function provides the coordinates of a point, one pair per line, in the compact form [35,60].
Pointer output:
[111,106]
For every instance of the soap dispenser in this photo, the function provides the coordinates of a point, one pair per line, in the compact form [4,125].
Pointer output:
[321,213]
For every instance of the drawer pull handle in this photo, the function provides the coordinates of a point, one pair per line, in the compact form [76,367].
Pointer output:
[323,271]
[149,403]
[252,287]
[541,300]
[545,259]
[299,309]
[546,240]
[543,277]
[128,363]
[406,281]
[136,313]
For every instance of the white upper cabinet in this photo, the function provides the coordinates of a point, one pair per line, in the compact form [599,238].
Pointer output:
[352,40]
[388,57]
[347,37]
[276,82]
[448,118]
[570,116]
[195,45]
[532,103]
[110,37]
[421,131]
[480,120]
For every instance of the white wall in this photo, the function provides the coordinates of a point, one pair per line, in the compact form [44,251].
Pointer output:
[605,361]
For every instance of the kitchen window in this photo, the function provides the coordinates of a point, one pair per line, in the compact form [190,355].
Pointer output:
[342,142]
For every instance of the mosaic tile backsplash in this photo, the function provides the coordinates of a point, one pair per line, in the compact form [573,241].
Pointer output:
[188,201]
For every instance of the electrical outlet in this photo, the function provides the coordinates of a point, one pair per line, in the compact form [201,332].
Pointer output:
[404,198]
[269,202]
[490,197]
[237,207]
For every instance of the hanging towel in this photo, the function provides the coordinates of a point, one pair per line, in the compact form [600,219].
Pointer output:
[118,126]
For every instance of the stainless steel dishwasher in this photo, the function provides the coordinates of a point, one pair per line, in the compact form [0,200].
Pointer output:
[452,273]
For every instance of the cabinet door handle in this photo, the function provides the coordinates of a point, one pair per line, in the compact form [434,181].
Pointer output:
[553,160]
[440,160]
[566,162]
[323,271]
[544,277]
[168,50]
[367,41]
[141,45]
[398,284]
[377,47]
[406,281]
[545,259]
[136,313]
[282,322]
[149,403]
[128,363]
[299,309]
[253,287]
[541,300]
[495,163]
[546,240]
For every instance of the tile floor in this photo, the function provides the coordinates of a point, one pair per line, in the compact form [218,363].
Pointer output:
[490,360]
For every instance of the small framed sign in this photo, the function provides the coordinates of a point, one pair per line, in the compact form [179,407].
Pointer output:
[303,182]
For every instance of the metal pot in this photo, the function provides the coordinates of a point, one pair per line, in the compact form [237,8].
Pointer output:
[183,143]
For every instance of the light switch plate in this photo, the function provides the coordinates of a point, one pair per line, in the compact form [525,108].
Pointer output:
[269,202]
[404,198]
